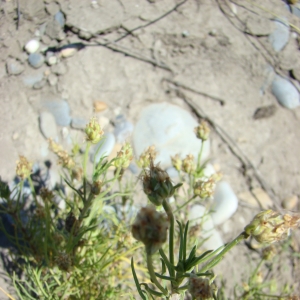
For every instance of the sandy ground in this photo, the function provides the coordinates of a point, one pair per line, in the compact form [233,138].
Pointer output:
[210,57]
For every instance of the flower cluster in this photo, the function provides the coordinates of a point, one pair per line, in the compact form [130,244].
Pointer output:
[23,168]
[145,158]
[64,158]
[93,131]
[188,164]
[150,227]
[124,157]
[204,188]
[202,131]
[270,226]
[157,184]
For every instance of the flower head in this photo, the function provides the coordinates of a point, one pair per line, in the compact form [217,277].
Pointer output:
[202,131]
[205,188]
[157,184]
[64,158]
[146,156]
[270,226]
[176,162]
[188,164]
[23,168]
[200,288]
[124,157]
[93,131]
[150,227]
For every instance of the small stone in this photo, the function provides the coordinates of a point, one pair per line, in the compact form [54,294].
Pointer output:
[52,60]
[225,203]
[99,106]
[52,79]
[85,35]
[53,30]
[280,36]
[52,8]
[32,77]
[290,203]
[296,69]
[67,52]
[15,136]
[59,108]
[103,121]
[32,46]
[60,18]
[285,92]
[78,123]
[263,198]
[59,69]
[199,217]
[40,84]
[123,129]
[103,148]
[46,40]
[48,125]
[14,67]
[265,112]
[36,60]
[185,33]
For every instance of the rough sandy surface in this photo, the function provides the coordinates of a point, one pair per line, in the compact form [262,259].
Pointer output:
[212,56]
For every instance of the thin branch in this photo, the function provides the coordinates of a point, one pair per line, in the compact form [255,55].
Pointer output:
[180,85]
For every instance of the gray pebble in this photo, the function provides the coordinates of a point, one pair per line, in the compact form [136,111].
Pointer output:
[52,8]
[14,67]
[36,60]
[59,69]
[32,77]
[285,92]
[40,84]
[123,128]
[53,30]
[296,10]
[52,79]
[103,148]
[78,123]
[48,126]
[59,108]
[60,18]
[280,36]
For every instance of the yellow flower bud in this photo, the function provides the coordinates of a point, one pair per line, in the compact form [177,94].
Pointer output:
[188,164]
[176,162]
[202,131]
[146,156]
[124,157]
[93,131]
[23,168]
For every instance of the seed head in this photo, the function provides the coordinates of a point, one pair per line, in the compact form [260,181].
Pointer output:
[23,168]
[63,261]
[188,164]
[93,131]
[176,162]
[200,288]
[46,194]
[146,156]
[64,158]
[269,252]
[202,131]
[150,227]
[96,187]
[270,226]
[124,157]
[157,184]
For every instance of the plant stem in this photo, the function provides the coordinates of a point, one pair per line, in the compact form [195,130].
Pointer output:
[199,155]
[169,212]
[85,159]
[184,204]
[219,256]
[153,276]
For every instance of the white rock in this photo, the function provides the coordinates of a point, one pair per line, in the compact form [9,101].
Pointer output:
[32,46]
[171,130]
[285,92]
[198,215]
[48,125]
[225,203]
[280,36]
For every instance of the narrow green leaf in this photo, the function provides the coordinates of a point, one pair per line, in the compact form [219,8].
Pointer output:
[137,281]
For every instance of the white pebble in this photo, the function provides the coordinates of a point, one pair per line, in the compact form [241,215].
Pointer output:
[225,203]
[32,46]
